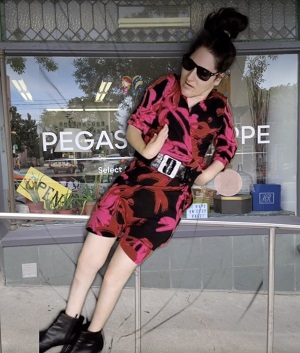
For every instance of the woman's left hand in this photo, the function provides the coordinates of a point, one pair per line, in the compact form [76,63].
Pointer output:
[209,173]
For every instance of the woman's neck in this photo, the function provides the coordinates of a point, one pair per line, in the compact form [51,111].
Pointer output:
[194,100]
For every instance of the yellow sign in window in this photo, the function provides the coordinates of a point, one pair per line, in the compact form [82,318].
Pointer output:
[38,187]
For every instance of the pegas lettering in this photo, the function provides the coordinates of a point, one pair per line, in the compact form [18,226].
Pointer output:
[49,140]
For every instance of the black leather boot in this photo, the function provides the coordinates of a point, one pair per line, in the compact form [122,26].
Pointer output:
[89,342]
[64,331]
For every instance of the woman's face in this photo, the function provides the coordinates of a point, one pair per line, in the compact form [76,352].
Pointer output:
[191,85]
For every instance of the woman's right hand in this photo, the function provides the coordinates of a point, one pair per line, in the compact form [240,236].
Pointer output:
[153,147]
[155,144]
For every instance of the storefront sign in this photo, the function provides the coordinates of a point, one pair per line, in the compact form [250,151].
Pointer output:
[37,183]
[248,132]
[68,143]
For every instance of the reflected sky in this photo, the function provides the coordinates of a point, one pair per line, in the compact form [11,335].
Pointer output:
[281,71]
[48,89]
[55,89]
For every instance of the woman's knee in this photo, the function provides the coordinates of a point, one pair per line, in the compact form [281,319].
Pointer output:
[86,261]
[119,269]
[113,279]
[94,252]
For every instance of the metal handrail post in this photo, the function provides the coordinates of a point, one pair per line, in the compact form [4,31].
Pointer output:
[0,340]
[270,313]
[138,345]
[0,337]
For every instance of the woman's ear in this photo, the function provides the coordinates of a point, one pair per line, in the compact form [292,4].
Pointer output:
[219,78]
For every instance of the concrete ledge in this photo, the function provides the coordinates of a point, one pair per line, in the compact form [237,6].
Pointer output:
[45,235]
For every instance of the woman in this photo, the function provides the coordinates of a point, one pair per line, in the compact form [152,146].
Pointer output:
[171,131]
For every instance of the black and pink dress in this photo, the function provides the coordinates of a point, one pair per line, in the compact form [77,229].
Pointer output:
[143,206]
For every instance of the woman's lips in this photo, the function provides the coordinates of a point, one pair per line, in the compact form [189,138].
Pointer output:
[188,86]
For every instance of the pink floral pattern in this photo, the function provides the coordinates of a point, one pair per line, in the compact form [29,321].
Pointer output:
[143,207]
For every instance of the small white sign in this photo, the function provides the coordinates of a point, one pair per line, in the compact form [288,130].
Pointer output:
[29,270]
[197,210]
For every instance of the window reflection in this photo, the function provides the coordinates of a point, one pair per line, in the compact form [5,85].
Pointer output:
[68,121]
[264,97]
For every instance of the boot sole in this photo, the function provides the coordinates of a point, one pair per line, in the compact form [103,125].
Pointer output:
[68,348]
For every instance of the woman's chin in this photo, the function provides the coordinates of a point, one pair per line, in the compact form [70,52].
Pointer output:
[186,92]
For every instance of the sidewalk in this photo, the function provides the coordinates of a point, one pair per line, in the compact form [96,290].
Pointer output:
[177,321]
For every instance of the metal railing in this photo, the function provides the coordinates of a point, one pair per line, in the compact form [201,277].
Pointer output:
[271,263]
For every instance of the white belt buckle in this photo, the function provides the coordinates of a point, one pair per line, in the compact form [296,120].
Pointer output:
[169,166]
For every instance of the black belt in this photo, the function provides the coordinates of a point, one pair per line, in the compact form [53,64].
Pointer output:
[173,168]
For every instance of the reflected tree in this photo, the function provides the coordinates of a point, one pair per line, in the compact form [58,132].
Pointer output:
[259,99]
[18,63]
[90,72]
[24,134]
[16,130]
[24,131]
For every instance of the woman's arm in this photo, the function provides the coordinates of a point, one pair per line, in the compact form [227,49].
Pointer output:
[153,147]
[209,173]
[225,142]
[225,148]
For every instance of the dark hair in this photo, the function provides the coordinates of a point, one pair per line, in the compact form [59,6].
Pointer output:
[220,28]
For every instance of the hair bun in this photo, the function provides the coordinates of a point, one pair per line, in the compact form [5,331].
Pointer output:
[226,21]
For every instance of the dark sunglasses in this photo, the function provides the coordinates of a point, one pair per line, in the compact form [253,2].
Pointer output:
[189,65]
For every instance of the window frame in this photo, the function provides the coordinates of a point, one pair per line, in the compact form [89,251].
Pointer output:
[167,50]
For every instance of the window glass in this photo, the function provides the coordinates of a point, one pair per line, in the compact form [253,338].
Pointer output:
[69,116]
[264,99]
[263,96]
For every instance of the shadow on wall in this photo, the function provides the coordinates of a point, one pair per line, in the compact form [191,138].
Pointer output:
[4,227]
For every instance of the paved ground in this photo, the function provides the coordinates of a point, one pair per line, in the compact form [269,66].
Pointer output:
[176,321]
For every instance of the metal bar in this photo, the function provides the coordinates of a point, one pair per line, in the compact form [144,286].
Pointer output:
[239,224]
[10,215]
[42,216]
[138,311]
[270,318]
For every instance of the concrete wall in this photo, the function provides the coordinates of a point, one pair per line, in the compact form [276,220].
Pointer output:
[230,263]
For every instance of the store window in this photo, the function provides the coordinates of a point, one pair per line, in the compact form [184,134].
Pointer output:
[68,122]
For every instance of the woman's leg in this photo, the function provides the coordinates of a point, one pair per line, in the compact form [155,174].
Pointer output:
[65,330]
[118,272]
[92,257]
